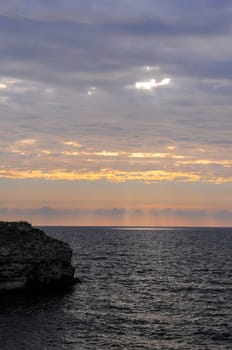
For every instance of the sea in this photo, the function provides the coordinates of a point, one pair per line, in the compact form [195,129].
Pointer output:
[143,288]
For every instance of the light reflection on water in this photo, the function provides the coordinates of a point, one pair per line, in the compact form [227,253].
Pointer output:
[150,228]
[143,288]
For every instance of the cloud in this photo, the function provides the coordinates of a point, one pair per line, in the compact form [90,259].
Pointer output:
[150,155]
[171,216]
[50,212]
[32,158]
[64,73]
[92,91]
[149,85]
[107,154]
[181,213]
[27,142]
[114,176]
[116,212]
[72,143]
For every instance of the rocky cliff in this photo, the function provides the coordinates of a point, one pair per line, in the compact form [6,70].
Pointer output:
[31,260]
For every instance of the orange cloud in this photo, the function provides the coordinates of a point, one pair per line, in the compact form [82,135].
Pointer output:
[103,174]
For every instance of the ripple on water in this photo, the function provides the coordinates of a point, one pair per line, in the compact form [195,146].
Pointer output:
[142,289]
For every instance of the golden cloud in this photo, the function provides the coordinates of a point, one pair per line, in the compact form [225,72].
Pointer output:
[108,175]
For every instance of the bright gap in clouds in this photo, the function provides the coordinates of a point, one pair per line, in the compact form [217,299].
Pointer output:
[148,85]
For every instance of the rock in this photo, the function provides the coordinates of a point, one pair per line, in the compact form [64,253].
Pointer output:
[31,260]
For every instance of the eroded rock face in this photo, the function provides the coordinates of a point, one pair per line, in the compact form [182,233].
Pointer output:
[31,260]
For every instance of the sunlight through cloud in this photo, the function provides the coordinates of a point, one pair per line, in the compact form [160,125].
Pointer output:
[150,68]
[28,141]
[91,90]
[72,143]
[148,85]
[107,154]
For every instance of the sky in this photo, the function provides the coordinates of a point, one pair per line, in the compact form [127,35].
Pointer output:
[116,112]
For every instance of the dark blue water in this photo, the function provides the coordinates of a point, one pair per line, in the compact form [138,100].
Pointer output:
[142,289]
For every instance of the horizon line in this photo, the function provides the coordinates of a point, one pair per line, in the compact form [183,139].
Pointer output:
[132,226]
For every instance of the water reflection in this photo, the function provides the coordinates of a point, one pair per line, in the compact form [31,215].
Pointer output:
[34,321]
[141,290]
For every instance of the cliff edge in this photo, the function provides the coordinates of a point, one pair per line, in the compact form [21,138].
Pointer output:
[31,260]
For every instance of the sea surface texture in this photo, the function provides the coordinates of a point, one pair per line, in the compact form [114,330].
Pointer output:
[143,288]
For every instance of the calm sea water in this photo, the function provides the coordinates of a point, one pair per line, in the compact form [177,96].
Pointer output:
[142,289]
